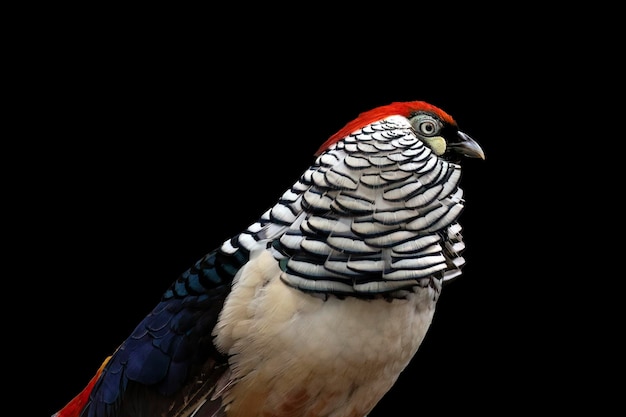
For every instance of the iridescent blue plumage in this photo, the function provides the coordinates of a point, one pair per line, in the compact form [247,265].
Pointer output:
[172,343]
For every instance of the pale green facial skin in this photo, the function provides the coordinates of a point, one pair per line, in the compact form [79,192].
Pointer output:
[437,144]
[428,127]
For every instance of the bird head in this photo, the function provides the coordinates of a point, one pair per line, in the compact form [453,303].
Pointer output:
[433,126]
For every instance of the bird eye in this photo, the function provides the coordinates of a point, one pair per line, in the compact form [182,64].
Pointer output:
[427,127]
[425,124]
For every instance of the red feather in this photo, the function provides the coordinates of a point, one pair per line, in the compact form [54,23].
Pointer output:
[396,108]
[76,405]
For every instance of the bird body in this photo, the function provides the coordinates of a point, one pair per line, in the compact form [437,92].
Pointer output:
[315,309]
[333,356]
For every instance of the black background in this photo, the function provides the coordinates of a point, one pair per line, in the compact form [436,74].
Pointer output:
[145,148]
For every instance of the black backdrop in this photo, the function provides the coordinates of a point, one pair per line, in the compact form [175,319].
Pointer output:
[151,151]
[165,172]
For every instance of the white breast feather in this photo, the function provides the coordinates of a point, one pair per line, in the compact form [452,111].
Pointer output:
[283,341]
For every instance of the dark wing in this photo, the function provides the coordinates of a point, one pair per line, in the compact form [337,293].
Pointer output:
[169,365]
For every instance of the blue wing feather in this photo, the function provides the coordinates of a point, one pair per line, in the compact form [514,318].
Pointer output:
[171,344]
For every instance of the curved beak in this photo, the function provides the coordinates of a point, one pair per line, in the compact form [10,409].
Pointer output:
[467,146]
